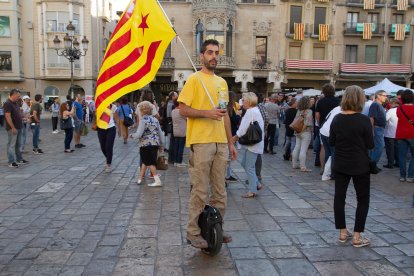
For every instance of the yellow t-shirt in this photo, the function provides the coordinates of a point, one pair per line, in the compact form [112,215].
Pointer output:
[204,130]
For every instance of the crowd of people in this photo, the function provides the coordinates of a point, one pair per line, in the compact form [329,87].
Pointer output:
[347,135]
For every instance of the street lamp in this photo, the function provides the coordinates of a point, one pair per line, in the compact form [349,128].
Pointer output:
[71,49]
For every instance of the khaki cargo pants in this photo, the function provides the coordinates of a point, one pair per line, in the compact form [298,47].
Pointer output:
[207,165]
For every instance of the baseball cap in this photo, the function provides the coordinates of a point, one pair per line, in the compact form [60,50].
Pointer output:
[26,97]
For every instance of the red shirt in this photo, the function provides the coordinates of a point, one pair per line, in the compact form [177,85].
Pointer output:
[405,130]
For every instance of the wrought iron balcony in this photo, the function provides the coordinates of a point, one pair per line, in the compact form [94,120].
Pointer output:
[261,64]
[357,28]
[391,29]
[168,63]
[360,3]
[223,62]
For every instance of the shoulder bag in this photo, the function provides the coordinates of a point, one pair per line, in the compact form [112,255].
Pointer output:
[127,120]
[253,134]
[406,116]
[66,123]
[298,124]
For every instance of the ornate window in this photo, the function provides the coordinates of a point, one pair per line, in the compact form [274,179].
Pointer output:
[5,61]
[261,50]
[229,39]
[199,35]
[215,30]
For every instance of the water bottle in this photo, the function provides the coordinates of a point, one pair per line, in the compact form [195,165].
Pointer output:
[222,103]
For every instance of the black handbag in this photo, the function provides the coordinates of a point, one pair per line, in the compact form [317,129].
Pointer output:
[127,120]
[66,123]
[253,135]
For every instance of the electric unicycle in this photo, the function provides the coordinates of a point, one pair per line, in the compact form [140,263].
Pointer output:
[210,223]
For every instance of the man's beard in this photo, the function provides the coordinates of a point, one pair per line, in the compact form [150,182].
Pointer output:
[208,66]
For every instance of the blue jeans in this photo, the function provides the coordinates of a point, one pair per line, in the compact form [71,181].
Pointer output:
[375,154]
[68,137]
[179,143]
[248,163]
[23,137]
[36,133]
[329,150]
[13,146]
[317,145]
[405,145]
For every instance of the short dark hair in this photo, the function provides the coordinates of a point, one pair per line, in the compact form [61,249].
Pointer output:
[407,96]
[328,90]
[68,97]
[14,91]
[124,100]
[208,42]
[38,97]
[399,92]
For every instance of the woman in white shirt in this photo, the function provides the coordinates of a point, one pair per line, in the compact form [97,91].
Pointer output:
[252,151]
[391,145]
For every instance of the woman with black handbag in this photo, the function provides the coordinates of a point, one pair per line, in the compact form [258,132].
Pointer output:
[125,116]
[66,122]
[251,134]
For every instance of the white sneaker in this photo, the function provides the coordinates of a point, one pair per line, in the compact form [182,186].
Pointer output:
[108,168]
[157,182]
[181,165]
[139,181]
[175,164]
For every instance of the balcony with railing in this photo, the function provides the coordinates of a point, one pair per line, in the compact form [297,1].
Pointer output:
[314,30]
[307,65]
[391,29]
[223,62]
[357,29]
[378,69]
[290,29]
[168,63]
[360,3]
[260,64]
[394,3]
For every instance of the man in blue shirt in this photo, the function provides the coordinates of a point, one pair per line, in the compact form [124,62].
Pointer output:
[79,124]
[377,116]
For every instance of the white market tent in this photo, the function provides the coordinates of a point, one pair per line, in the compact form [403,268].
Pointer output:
[385,85]
[311,92]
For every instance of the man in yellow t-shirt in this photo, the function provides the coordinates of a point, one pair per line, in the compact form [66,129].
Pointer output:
[208,136]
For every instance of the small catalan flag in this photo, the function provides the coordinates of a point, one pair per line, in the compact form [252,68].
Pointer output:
[323,32]
[369,4]
[367,32]
[299,31]
[399,33]
[402,5]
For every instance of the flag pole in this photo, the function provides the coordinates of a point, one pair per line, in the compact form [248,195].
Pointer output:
[188,55]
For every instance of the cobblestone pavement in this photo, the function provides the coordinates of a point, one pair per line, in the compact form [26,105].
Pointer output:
[62,215]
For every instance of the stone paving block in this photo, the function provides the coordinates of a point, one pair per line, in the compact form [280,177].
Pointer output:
[29,253]
[62,244]
[378,268]
[388,251]
[409,271]
[17,266]
[169,260]
[142,231]
[79,259]
[112,239]
[105,252]
[211,271]
[297,203]
[128,266]
[72,271]
[407,248]
[296,228]
[281,212]
[392,238]
[283,252]
[169,271]
[320,224]
[236,225]
[334,268]
[139,248]
[43,270]
[295,267]
[53,257]
[273,238]
[100,267]
[339,253]
[243,253]
[256,267]
[87,246]
[262,222]
[242,239]
[308,240]
[409,235]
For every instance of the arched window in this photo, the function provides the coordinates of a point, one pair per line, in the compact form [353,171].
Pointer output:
[229,37]
[199,35]
[51,91]
[215,30]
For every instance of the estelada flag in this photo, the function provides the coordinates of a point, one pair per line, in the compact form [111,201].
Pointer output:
[133,56]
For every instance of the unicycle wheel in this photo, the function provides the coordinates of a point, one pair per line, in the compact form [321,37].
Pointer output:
[215,241]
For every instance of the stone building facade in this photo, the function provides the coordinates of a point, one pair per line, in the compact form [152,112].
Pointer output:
[35,66]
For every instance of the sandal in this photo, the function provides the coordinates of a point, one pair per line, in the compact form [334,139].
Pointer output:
[305,170]
[343,237]
[249,195]
[197,241]
[360,242]
[259,187]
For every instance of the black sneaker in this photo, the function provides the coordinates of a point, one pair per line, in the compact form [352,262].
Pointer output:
[13,165]
[82,145]
[40,151]
[22,162]
[78,146]
[231,179]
